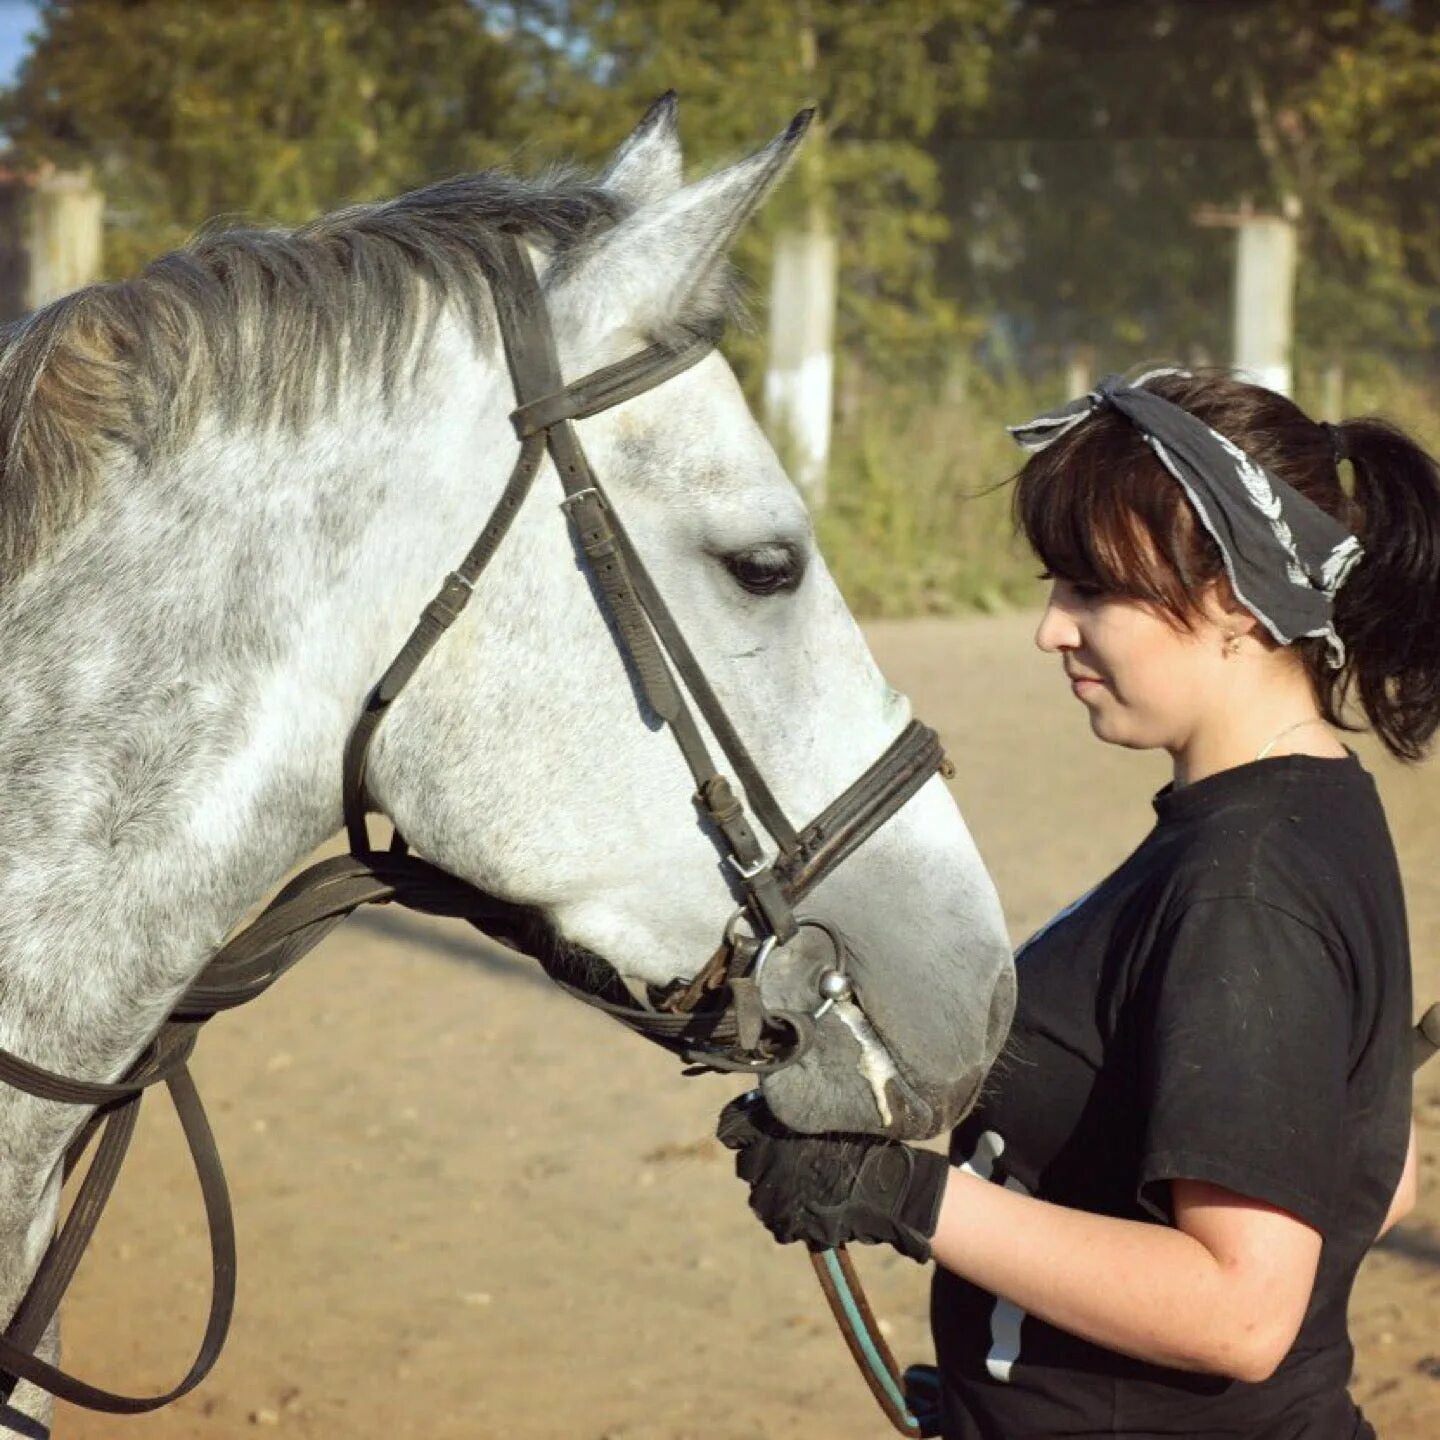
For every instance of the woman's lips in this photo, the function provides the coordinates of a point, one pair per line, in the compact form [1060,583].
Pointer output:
[1084,684]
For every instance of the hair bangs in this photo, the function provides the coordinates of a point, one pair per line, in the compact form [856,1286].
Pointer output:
[1100,511]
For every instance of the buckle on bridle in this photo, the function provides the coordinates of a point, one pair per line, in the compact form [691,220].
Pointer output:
[574,497]
[748,872]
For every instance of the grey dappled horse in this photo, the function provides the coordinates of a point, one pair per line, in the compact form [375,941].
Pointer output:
[229,487]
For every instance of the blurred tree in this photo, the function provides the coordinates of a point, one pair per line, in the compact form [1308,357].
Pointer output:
[1112,121]
[273,109]
[882,76]
[1038,162]
[1367,128]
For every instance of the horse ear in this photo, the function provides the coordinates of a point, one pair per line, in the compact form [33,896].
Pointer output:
[665,263]
[647,166]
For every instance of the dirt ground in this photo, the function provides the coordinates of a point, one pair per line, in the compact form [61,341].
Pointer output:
[469,1207]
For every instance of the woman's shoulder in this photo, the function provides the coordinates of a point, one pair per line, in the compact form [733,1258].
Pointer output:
[1301,833]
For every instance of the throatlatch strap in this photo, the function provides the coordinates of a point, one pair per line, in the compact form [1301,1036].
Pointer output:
[438,616]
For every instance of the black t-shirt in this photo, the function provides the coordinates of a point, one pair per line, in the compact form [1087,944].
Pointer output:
[1231,1005]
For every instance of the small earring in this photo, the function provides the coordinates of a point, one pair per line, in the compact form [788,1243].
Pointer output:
[1232,644]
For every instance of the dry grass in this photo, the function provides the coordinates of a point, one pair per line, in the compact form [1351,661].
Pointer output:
[918,516]
[917,520]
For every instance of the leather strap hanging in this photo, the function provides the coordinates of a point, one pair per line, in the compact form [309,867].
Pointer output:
[119,1108]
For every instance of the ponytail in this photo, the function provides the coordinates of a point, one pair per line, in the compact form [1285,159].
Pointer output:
[1388,611]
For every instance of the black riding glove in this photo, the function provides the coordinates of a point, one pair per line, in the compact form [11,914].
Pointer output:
[829,1190]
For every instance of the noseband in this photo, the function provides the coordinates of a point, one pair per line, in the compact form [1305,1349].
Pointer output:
[717,1020]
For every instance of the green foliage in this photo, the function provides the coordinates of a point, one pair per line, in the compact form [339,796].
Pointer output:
[273,109]
[1075,190]
[1021,175]
[917,519]
[1010,183]
[1377,385]
[1374,115]
[882,76]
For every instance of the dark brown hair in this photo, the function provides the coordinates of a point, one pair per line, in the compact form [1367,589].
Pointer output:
[1100,510]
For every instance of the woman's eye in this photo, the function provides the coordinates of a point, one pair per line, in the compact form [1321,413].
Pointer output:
[1081,589]
[766,569]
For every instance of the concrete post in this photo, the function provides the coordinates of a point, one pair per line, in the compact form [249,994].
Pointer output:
[50,238]
[799,380]
[800,376]
[1332,392]
[1265,255]
[64,236]
[1079,369]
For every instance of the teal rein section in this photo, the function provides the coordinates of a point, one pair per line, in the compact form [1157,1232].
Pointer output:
[861,1331]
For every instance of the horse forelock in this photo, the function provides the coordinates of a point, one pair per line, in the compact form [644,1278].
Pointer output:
[257,326]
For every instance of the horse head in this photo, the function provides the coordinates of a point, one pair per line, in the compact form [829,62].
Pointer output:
[524,756]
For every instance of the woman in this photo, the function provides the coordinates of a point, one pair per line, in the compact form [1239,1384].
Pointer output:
[1150,1224]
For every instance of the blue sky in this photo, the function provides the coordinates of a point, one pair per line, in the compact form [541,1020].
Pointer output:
[17,18]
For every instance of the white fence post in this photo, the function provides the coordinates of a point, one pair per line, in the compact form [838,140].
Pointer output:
[800,375]
[50,237]
[1265,254]
[1263,326]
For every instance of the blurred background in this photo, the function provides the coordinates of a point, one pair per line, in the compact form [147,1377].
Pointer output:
[1004,199]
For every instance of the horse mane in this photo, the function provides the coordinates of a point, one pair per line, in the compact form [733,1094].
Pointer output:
[258,325]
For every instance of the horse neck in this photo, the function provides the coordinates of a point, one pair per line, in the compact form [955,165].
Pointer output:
[181,674]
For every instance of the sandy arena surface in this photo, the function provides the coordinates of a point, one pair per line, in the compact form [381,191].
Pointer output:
[469,1207]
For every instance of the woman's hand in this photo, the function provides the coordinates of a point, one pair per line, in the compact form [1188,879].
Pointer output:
[829,1190]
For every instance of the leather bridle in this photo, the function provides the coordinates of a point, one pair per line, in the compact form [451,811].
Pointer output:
[717,1020]
[743,1034]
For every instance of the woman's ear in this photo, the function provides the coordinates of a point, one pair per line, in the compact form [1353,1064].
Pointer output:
[1227,619]
[1225,612]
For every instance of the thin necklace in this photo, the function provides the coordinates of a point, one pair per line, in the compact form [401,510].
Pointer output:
[1280,735]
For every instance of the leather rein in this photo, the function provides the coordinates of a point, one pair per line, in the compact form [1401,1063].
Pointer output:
[716,1021]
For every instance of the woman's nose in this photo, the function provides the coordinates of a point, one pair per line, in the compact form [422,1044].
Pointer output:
[1057,629]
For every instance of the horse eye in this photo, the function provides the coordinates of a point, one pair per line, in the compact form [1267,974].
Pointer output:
[766,569]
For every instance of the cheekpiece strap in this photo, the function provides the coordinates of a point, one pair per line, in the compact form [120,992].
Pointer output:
[644,627]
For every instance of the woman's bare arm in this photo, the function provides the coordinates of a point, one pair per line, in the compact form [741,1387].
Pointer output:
[1222,1291]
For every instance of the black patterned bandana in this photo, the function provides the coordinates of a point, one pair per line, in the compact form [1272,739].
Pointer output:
[1285,557]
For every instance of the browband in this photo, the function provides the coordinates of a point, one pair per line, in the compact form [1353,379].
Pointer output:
[603,388]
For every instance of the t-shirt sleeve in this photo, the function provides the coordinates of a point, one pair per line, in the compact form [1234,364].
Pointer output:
[1244,1052]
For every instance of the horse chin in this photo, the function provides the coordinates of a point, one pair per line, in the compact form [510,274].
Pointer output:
[849,1082]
